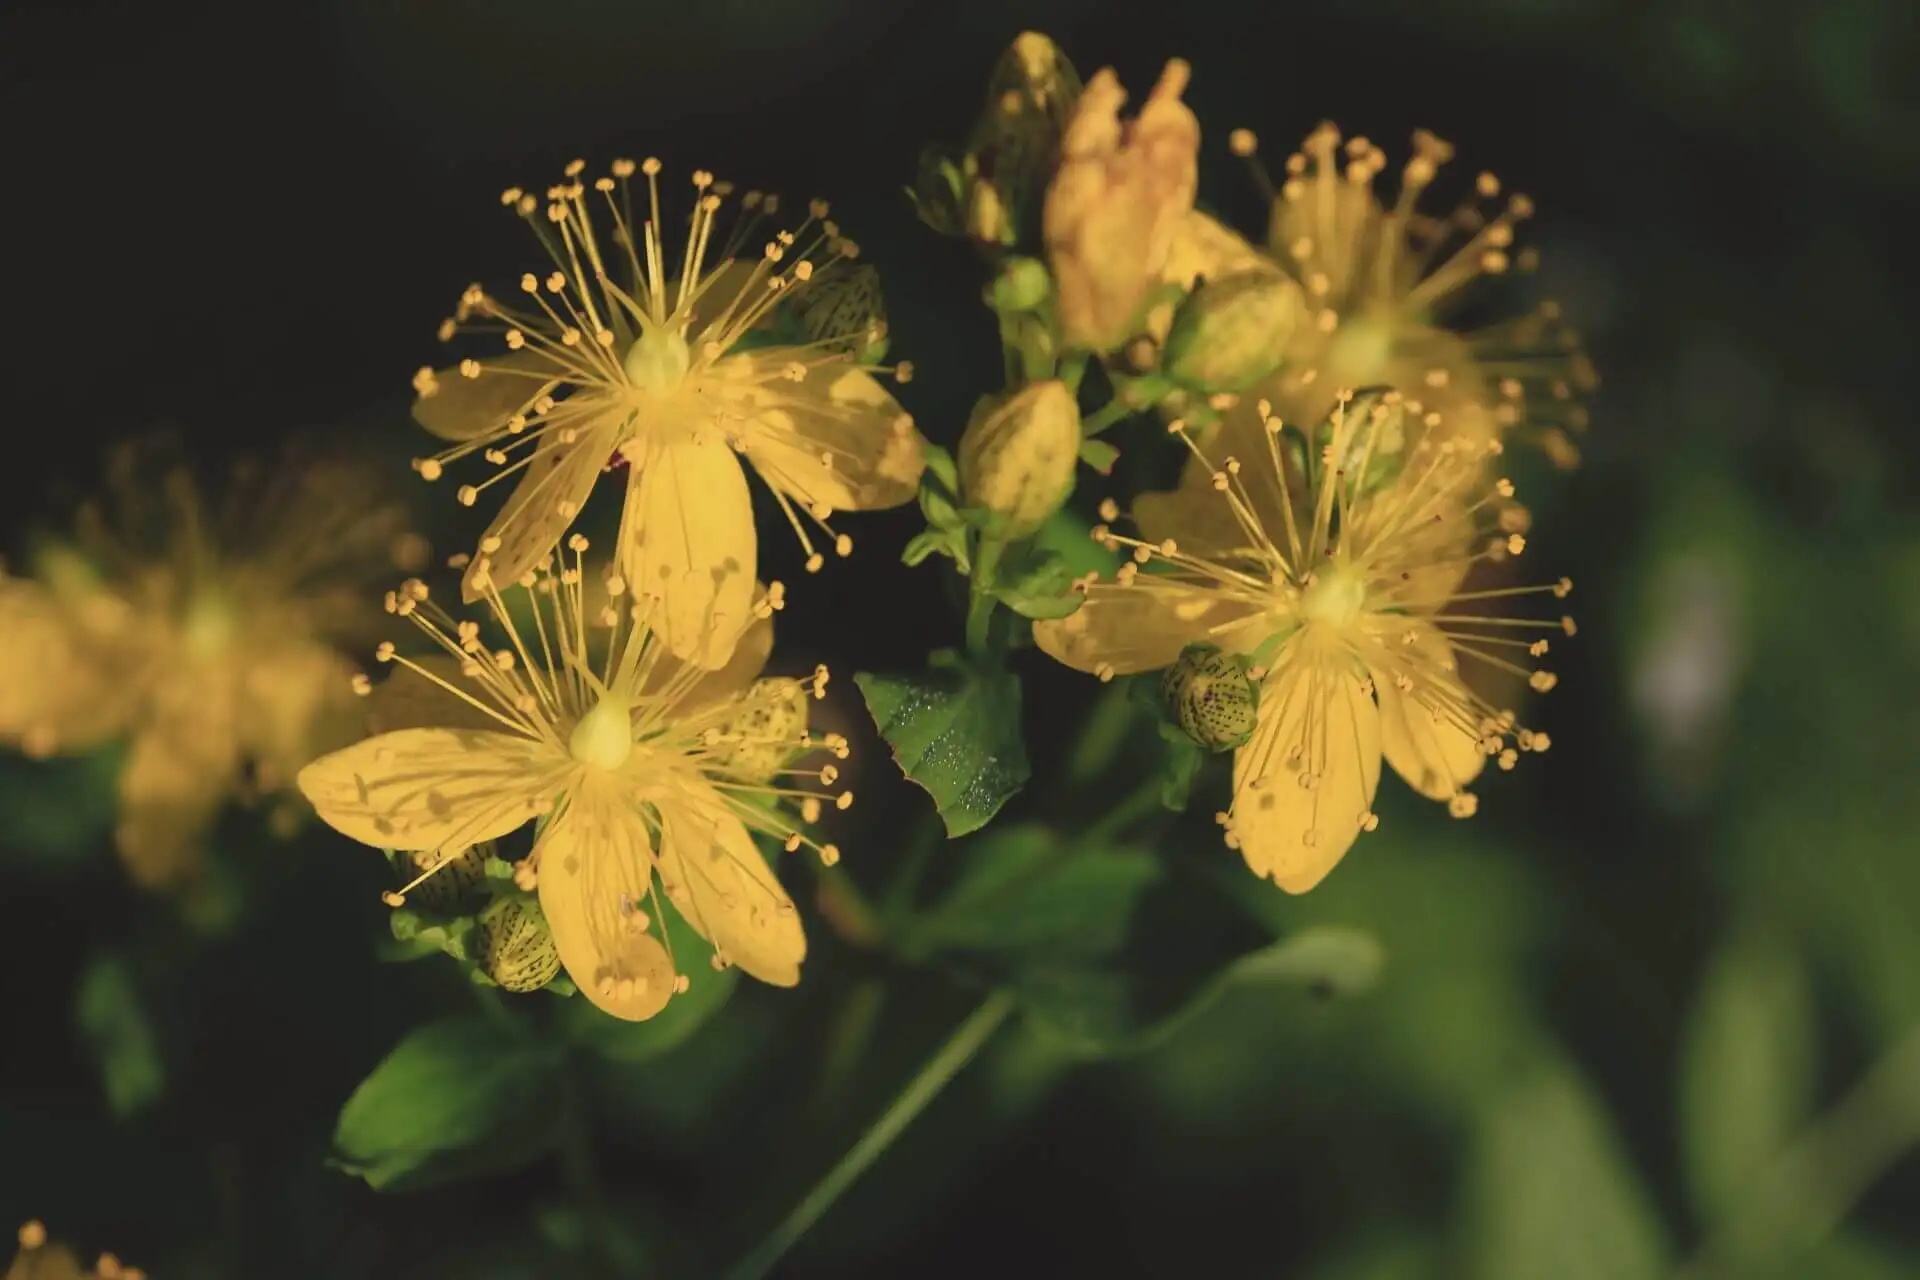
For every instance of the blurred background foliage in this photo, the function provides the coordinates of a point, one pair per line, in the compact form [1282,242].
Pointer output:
[1654,1010]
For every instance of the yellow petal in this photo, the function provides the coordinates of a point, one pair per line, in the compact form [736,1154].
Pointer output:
[542,506]
[433,788]
[715,875]
[1303,787]
[178,773]
[61,687]
[1428,734]
[688,547]
[596,866]
[749,658]
[837,439]
[462,408]
[1122,629]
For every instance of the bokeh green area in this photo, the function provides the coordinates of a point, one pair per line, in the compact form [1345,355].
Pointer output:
[1653,1008]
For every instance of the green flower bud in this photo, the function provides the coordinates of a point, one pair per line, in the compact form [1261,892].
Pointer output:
[1209,694]
[515,947]
[1231,332]
[939,192]
[1018,455]
[1022,285]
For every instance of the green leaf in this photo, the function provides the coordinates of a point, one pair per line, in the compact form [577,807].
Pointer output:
[1105,947]
[630,1042]
[1070,537]
[949,543]
[1035,583]
[1025,889]
[955,732]
[1747,1066]
[1327,960]
[1549,1191]
[114,1023]
[456,1099]
[1099,455]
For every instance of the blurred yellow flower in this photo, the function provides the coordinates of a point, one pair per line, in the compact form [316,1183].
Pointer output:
[637,761]
[1338,567]
[1381,281]
[1117,203]
[210,640]
[650,370]
[40,1259]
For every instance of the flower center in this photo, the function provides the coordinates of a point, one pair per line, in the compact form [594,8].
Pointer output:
[1336,596]
[658,360]
[604,737]
[208,627]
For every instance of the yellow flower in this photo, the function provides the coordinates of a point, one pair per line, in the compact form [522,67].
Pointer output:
[1117,203]
[621,352]
[206,639]
[646,769]
[1381,281]
[1337,566]
[39,1259]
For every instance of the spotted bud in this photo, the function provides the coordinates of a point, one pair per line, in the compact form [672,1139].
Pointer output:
[1018,454]
[1211,697]
[1230,333]
[845,312]
[1016,143]
[453,883]
[764,732]
[515,947]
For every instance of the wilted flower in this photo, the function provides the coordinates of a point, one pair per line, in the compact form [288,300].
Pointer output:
[1381,280]
[40,1259]
[650,369]
[636,762]
[1117,204]
[1018,455]
[206,639]
[1338,569]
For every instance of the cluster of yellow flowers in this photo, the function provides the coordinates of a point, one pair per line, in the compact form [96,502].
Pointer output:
[42,1259]
[1343,522]
[1339,535]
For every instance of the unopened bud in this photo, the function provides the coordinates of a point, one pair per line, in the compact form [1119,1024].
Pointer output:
[516,948]
[1022,285]
[1017,457]
[1210,695]
[1231,333]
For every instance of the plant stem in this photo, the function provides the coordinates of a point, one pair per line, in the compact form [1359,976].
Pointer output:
[1099,420]
[1811,1186]
[966,1040]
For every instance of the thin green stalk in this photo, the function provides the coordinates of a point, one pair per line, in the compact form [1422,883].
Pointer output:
[1810,1188]
[966,1040]
[1100,419]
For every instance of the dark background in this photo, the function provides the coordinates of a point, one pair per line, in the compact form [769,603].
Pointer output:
[246,220]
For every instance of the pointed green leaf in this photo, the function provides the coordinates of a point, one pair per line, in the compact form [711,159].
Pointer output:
[113,1020]
[1550,1192]
[955,732]
[456,1099]
[1747,1066]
